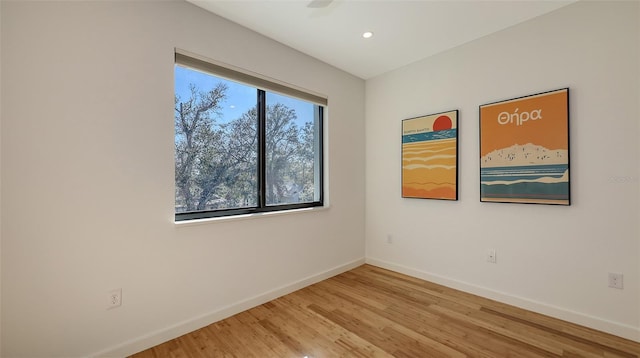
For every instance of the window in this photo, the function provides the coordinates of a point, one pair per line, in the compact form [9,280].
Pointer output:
[243,144]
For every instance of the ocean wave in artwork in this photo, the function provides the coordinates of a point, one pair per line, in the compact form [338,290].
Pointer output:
[423,166]
[543,179]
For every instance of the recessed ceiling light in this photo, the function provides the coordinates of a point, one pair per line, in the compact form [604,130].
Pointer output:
[367,34]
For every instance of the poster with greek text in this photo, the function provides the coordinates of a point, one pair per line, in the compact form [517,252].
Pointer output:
[430,156]
[524,149]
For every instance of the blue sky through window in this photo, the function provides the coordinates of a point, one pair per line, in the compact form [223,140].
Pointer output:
[240,98]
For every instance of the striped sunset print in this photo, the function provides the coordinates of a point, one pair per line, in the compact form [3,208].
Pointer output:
[429,156]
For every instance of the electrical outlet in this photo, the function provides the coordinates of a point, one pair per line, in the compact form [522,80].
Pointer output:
[115,298]
[491,256]
[615,280]
[389,239]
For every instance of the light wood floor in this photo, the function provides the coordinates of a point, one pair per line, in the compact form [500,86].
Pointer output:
[372,312]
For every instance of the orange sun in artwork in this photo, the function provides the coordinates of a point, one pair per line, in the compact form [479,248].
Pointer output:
[442,123]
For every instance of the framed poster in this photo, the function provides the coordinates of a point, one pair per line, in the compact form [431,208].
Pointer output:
[430,156]
[524,149]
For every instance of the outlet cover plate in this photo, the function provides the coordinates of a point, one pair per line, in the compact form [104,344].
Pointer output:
[114,298]
[491,256]
[616,280]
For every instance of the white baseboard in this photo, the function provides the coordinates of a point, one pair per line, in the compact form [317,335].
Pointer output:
[618,329]
[160,336]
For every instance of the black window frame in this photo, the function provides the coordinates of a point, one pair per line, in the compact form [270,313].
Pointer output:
[262,86]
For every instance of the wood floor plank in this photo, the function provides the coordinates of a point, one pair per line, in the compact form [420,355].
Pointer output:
[352,344]
[429,325]
[405,300]
[373,312]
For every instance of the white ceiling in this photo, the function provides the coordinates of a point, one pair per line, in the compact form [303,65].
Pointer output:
[404,31]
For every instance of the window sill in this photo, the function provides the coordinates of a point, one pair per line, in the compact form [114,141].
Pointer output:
[221,219]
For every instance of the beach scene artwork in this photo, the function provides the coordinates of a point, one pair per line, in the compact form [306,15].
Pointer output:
[430,156]
[524,149]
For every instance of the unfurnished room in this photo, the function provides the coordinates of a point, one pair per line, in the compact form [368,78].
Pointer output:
[319,178]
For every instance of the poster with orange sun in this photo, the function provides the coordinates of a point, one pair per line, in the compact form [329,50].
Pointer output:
[524,149]
[430,156]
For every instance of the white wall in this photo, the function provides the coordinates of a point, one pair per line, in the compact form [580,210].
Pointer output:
[0,182]
[87,181]
[551,259]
